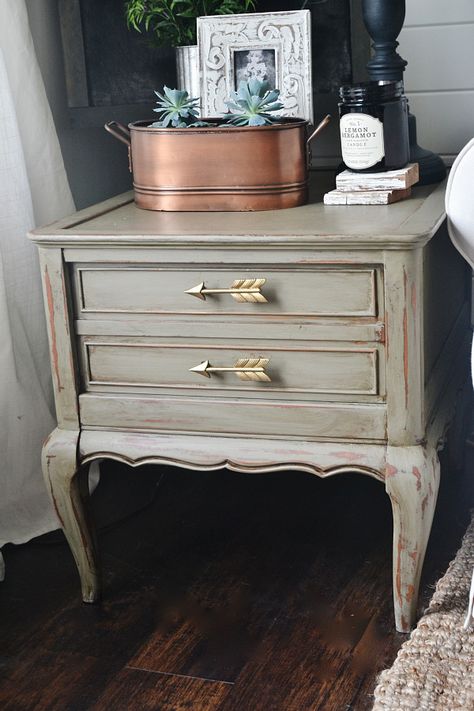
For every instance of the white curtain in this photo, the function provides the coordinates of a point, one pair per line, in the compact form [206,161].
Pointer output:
[33,191]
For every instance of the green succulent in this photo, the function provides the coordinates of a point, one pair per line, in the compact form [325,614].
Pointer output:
[252,103]
[177,109]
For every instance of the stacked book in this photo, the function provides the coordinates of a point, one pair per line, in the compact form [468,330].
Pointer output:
[373,188]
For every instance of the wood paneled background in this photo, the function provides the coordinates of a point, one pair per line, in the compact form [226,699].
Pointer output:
[438,43]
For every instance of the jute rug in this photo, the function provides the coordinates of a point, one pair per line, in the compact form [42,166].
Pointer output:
[434,669]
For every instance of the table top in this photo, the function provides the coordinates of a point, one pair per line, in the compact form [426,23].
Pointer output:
[408,223]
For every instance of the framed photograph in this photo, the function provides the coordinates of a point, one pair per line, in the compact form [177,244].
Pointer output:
[275,46]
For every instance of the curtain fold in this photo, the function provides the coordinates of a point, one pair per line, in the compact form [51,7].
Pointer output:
[33,190]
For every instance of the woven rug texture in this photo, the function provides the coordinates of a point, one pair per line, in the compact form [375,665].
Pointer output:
[434,668]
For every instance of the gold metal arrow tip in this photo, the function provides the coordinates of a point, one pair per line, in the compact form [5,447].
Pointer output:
[244,368]
[197,291]
[249,290]
[201,369]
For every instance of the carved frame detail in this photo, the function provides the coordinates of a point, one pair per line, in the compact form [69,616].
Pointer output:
[288,34]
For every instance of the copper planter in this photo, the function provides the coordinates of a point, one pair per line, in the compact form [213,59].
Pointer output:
[219,168]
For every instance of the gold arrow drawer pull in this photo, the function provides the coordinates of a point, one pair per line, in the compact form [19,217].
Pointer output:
[249,290]
[244,368]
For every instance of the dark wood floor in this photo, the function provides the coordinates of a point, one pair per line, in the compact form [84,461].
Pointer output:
[225,592]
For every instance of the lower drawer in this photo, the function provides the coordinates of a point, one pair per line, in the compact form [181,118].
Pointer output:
[345,371]
[310,421]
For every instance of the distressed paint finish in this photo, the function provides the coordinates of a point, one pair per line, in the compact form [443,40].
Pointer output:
[405,225]
[336,292]
[358,330]
[126,302]
[235,416]
[130,364]
[369,197]
[404,365]
[400,179]
[60,337]
[412,482]
[68,486]
[239,454]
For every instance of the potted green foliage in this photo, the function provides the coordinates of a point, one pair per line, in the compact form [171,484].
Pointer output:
[173,23]
[251,158]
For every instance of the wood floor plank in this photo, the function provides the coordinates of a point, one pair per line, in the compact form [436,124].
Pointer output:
[267,592]
[41,681]
[213,628]
[133,690]
[313,658]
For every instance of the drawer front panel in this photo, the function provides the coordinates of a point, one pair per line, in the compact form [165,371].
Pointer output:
[342,370]
[327,421]
[325,291]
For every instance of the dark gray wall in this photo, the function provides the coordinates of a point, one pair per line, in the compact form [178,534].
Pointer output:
[96,164]
[123,67]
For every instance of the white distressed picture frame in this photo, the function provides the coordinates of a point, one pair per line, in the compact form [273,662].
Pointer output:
[286,34]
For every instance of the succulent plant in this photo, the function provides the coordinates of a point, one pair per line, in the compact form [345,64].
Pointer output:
[177,109]
[252,103]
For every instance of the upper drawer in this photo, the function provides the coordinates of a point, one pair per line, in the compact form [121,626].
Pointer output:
[327,291]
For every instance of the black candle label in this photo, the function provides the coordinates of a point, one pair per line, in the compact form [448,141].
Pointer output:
[361,140]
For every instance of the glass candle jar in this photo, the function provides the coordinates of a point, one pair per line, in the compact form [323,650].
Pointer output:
[374,126]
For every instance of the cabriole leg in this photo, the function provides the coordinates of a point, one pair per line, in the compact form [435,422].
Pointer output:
[68,487]
[412,482]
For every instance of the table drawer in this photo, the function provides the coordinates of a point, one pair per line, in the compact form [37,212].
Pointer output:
[324,291]
[345,371]
[279,419]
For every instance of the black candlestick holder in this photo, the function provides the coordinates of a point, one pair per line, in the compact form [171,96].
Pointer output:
[384,21]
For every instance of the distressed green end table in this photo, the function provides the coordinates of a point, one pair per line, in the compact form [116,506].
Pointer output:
[322,339]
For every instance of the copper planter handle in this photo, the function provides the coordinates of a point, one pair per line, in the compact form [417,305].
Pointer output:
[322,124]
[122,134]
